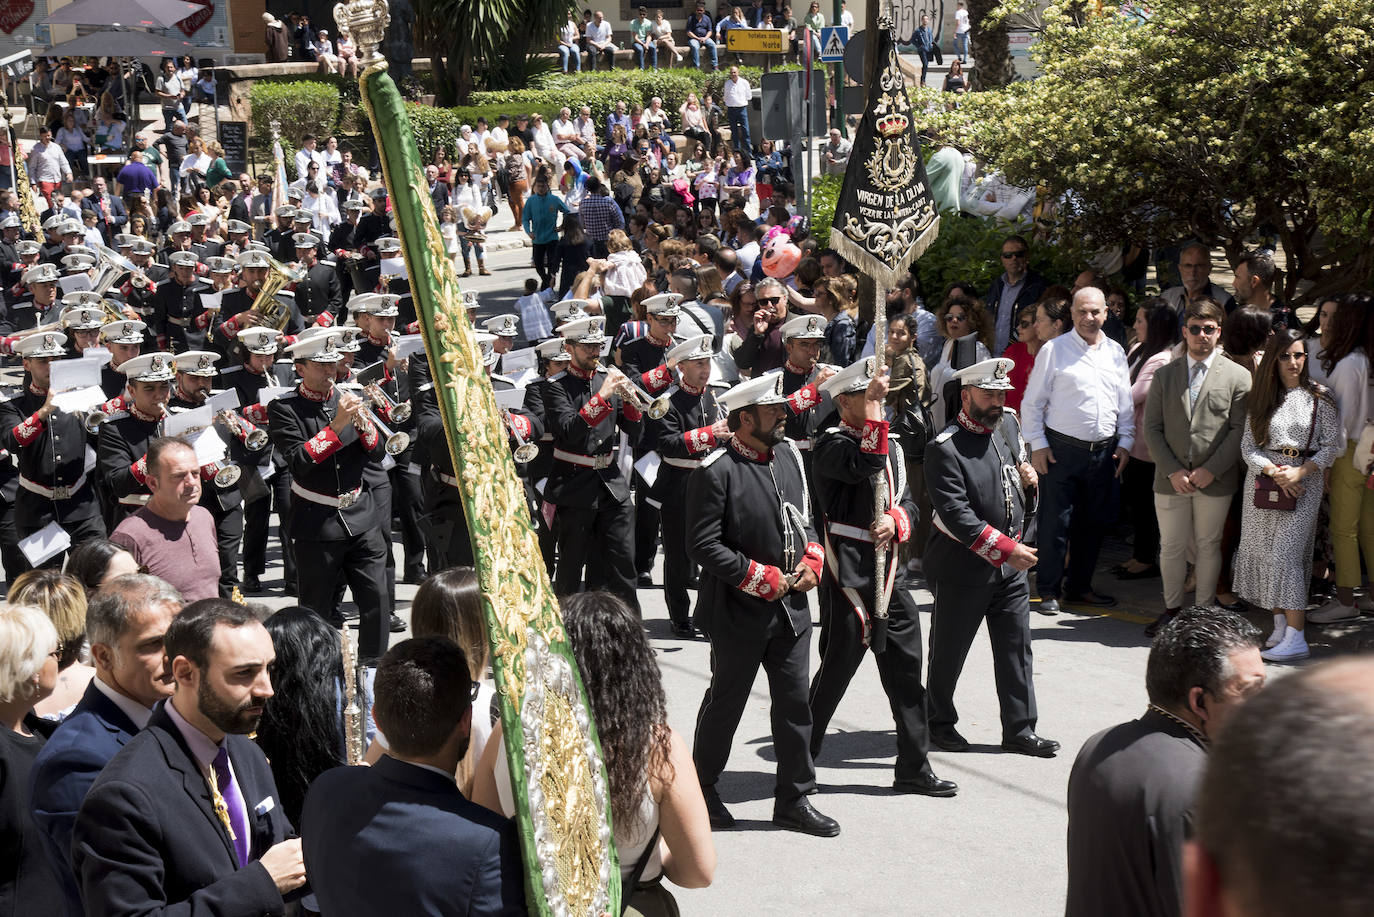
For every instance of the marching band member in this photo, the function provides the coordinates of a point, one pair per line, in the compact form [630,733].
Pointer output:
[82,325]
[179,318]
[124,339]
[553,358]
[122,444]
[318,295]
[269,484]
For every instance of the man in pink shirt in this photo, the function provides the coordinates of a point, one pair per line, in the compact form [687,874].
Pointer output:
[173,536]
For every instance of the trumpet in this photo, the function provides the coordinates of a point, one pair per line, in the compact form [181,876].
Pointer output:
[395,411]
[224,475]
[642,400]
[92,419]
[254,438]
[396,441]
[525,451]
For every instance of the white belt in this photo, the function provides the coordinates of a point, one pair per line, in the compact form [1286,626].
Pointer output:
[136,499]
[342,501]
[849,531]
[586,461]
[546,438]
[180,322]
[681,462]
[450,480]
[53,493]
[802,445]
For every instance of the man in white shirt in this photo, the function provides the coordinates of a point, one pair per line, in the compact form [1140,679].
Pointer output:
[737,95]
[47,166]
[599,41]
[306,155]
[1079,420]
[847,18]
[748,249]
[961,32]
[566,136]
[586,131]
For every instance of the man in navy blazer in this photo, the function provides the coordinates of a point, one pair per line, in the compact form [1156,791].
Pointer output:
[184,819]
[126,621]
[399,837]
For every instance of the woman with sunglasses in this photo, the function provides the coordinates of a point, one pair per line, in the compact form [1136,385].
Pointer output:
[967,330]
[1292,435]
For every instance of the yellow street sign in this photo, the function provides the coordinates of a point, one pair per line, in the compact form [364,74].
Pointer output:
[765,41]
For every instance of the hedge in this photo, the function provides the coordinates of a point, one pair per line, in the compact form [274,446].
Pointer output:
[301,107]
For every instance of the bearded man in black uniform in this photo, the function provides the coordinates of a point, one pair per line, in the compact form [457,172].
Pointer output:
[587,411]
[694,425]
[981,490]
[49,447]
[847,458]
[749,526]
[327,438]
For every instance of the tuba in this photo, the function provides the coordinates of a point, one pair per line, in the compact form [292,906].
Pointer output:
[276,314]
[113,266]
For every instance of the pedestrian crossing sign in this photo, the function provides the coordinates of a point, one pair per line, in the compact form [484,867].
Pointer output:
[833,40]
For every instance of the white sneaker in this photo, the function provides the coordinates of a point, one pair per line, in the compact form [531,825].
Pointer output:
[1276,636]
[1332,612]
[1292,648]
[678,56]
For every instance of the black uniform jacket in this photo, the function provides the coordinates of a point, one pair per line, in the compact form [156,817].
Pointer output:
[147,840]
[326,464]
[845,461]
[587,425]
[319,292]
[683,437]
[219,500]
[735,532]
[122,448]
[179,316]
[51,453]
[972,533]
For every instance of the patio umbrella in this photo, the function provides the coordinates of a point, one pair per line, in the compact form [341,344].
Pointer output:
[121,43]
[146,14]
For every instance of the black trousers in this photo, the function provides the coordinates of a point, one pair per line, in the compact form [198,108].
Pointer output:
[959,609]
[785,658]
[1138,495]
[360,562]
[646,530]
[899,668]
[11,557]
[381,496]
[546,262]
[677,566]
[1078,501]
[228,538]
[408,501]
[604,532]
[255,525]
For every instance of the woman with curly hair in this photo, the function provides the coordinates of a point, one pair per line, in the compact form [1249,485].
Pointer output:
[656,803]
[967,329]
[302,732]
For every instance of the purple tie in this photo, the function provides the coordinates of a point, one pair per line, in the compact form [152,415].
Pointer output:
[233,800]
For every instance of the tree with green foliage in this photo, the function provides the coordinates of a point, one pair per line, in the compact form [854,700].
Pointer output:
[988,45]
[483,44]
[1222,122]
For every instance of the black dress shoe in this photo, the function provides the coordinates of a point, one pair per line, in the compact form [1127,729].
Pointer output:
[948,740]
[396,625]
[1153,627]
[720,817]
[414,576]
[1031,745]
[802,816]
[1150,572]
[926,785]
[252,585]
[350,614]
[684,629]
[335,621]
[644,580]
[1090,598]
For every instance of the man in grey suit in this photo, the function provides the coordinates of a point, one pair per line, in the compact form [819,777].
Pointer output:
[1194,418]
[1132,787]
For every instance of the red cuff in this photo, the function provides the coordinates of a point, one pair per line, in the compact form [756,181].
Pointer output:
[257,413]
[208,472]
[230,327]
[521,425]
[899,518]
[413,328]
[322,445]
[324,320]
[762,581]
[701,439]
[874,438]
[993,546]
[203,320]
[162,343]
[804,398]
[26,431]
[7,345]
[657,379]
[631,412]
[340,253]
[140,470]
[596,410]
[814,558]
[369,435]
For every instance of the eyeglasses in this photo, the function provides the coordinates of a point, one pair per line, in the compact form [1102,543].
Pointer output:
[1203,329]
[770,300]
[1020,253]
[1292,357]
[1025,323]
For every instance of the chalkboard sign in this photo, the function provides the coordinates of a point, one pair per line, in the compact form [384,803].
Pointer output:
[233,136]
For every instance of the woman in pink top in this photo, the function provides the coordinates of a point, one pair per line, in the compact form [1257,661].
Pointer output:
[1156,333]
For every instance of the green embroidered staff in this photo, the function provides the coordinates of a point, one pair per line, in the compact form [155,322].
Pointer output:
[885,218]
[561,793]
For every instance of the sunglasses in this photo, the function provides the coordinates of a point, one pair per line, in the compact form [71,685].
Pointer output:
[1203,329]
[1292,357]
[1024,323]
[1016,254]
[770,300]
[954,318]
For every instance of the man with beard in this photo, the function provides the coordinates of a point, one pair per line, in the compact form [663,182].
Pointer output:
[981,491]
[173,536]
[186,813]
[406,821]
[749,526]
